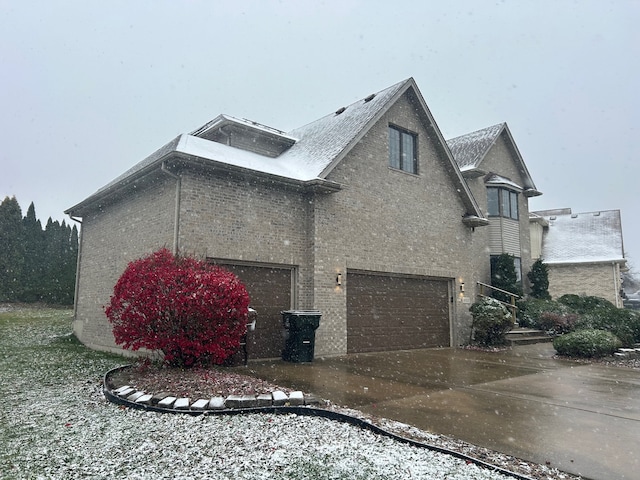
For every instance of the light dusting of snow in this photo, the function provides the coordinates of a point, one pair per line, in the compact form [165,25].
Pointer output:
[500,180]
[468,150]
[57,424]
[583,237]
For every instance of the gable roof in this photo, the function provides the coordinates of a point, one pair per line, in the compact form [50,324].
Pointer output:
[471,149]
[590,237]
[311,152]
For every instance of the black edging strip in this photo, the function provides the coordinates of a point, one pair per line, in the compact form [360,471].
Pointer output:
[309,412]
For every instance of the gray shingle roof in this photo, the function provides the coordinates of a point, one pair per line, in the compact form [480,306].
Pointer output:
[323,142]
[469,150]
[583,237]
[318,147]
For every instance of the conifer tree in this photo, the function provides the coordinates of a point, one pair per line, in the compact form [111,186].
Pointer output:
[33,273]
[539,278]
[504,277]
[12,250]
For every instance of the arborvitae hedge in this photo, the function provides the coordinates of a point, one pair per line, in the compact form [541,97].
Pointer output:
[36,265]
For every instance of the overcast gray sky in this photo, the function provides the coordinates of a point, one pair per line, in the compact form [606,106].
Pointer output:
[88,89]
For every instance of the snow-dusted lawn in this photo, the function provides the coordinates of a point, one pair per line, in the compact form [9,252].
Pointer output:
[55,423]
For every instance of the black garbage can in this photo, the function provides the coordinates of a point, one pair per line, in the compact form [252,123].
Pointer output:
[300,329]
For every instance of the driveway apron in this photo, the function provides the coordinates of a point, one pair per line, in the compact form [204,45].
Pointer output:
[583,419]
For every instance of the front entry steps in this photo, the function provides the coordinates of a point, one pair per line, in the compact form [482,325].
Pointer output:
[527,336]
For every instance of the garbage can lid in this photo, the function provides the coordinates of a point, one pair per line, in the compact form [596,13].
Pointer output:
[302,312]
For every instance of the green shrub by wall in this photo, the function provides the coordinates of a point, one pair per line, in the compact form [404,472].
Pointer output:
[587,343]
[491,322]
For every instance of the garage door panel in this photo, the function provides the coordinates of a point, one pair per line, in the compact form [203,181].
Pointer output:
[393,313]
[269,289]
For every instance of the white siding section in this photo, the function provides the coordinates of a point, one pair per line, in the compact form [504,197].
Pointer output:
[495,236]
[504,236]
[511,237]
[536,231]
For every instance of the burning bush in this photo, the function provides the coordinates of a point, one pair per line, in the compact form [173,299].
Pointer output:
[191,311]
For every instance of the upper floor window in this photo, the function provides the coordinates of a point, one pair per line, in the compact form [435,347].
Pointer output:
[502,203]
[403,150]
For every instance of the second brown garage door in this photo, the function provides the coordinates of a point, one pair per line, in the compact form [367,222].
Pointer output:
[270,291]
[396,313]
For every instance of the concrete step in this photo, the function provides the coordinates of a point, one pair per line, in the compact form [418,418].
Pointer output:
[527,336]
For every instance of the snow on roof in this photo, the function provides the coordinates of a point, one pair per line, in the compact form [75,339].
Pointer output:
[469,150]
[318,143]
[219,152]
[316,147]
[500,180]
[323,141]
[249,124]
[583,238]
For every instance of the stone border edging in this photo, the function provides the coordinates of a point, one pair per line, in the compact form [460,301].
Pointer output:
[164,402]
[298,409]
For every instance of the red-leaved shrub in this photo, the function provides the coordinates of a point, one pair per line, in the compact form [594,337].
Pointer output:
[191,311]
[557,323]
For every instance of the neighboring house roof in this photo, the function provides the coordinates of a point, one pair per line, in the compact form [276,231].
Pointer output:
[309,153]
[471,149]
[592,237]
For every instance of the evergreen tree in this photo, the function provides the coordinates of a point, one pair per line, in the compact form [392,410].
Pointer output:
[539,278]
[504,277]
[12,250]
[35,264]
[33,273]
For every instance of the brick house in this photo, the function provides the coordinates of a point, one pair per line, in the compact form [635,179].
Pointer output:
[584,252]
[364,214]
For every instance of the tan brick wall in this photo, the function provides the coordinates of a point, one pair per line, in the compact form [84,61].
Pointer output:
[390,221]
[598,280]
[131,227]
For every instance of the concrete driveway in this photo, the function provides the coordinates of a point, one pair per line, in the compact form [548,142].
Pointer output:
[583,419]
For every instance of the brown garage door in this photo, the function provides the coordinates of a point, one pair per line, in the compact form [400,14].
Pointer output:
[396,313]
[270,292]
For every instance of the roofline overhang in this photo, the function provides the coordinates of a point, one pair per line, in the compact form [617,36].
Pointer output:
[475,221]
[621,261]
[539,220]
[224,120]
[472,172]
[531,192]
[174,157]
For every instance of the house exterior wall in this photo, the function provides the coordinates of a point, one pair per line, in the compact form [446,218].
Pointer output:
[501,159]
[386,220]
[243,219]
[592,279]
[382,220]
[134,225]
[222,216]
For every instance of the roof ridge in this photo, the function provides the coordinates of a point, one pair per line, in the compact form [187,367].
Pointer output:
[343,109]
